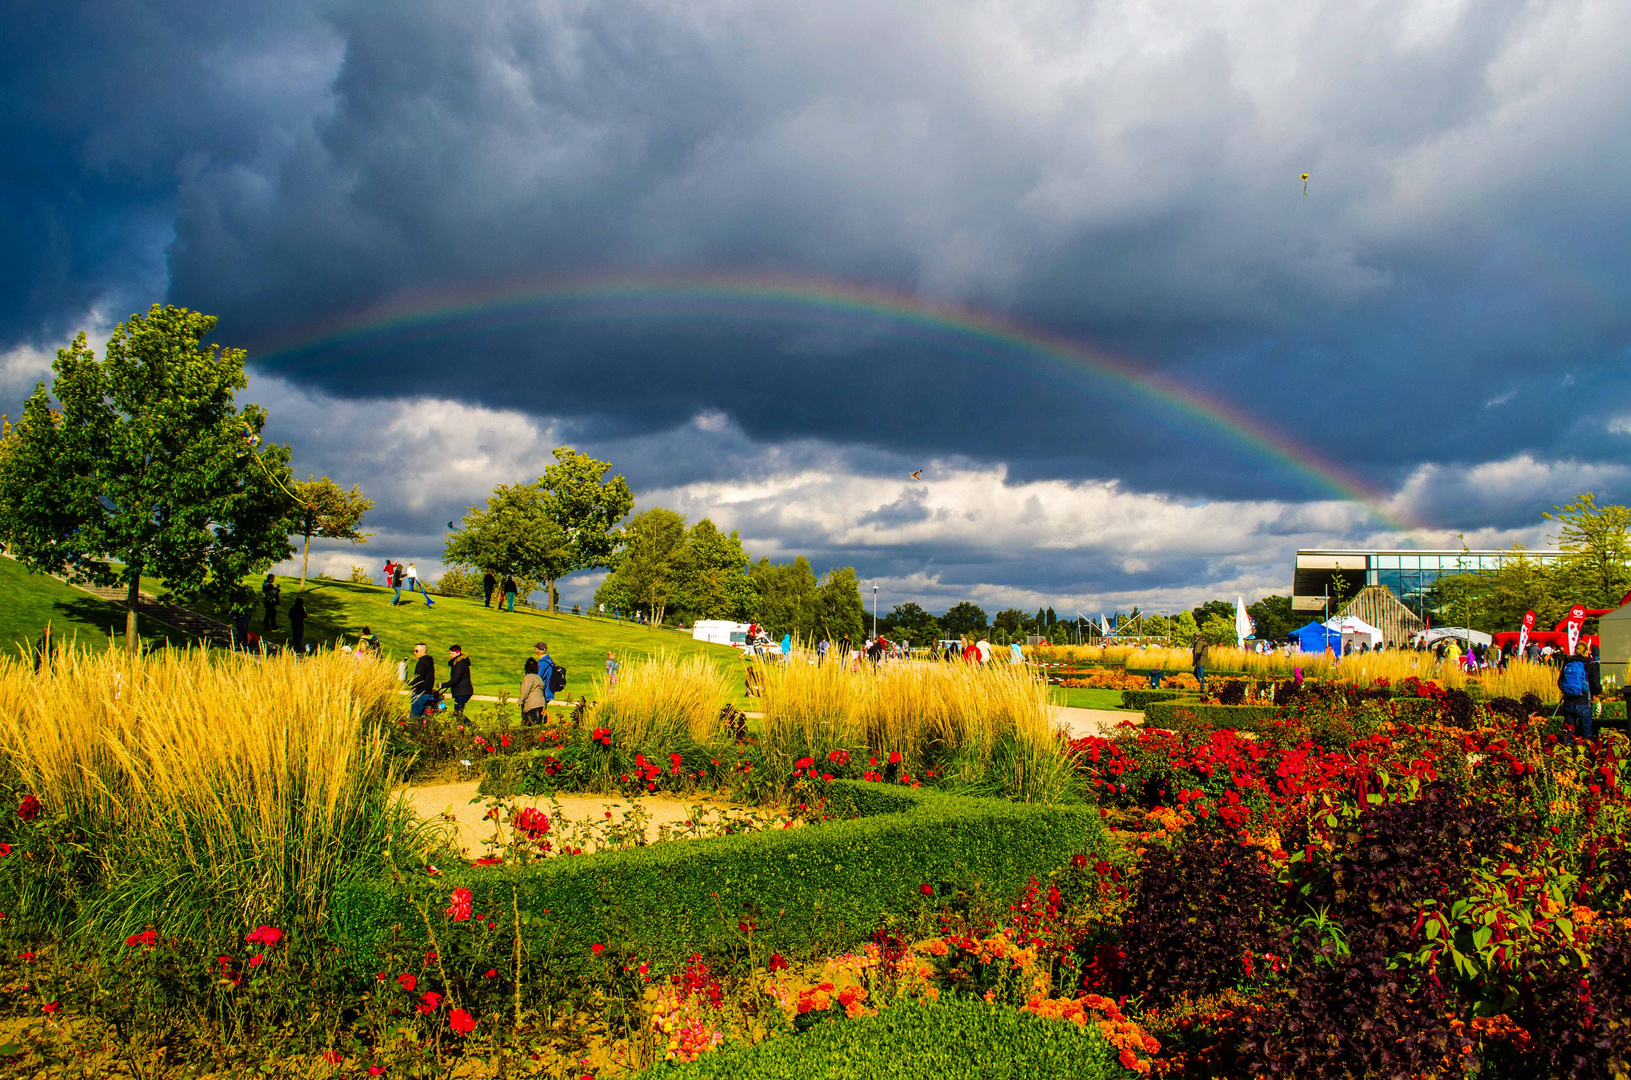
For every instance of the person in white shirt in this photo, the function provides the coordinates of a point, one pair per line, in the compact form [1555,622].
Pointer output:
[413,584]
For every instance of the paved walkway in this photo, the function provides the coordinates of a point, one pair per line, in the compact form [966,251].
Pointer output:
[1101,722]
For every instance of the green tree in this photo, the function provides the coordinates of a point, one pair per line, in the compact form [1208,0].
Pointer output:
[786,596]
[647,563]
[839,611]
[586,507]
[712,572]
[324,508]
[963,618]
[147,467]
[1010,621]
[1273,618]
[1594,570]
[513,535]
[1183,629]
[1219,629]
[1211,608]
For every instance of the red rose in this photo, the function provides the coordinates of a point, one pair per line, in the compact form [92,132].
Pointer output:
[29,808]
[5,849]
[333,1057]
[776,962]
[50,1007]
[407,982]
[429,1002]
[894,759]
[257,960]
[461,1021]
[926,889]
[460,907]
[265,935]
[376,1070]
[597,948]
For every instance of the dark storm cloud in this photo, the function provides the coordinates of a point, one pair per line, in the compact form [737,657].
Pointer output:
[1451,291]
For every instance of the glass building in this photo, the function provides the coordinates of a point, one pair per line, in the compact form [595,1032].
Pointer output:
[1408,575]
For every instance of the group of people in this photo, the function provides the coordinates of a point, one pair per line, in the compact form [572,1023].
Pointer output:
[541,679]
[399,576]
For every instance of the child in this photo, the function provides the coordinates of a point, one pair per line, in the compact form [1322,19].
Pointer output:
[611,670]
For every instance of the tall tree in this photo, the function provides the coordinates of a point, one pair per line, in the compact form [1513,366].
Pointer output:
[513,535]
[840,612]
[147,467]
[963,618]
[786,596]
[1273,618]
[713,581]
[647,563]
[586,507]
[1596,550]
[324,508]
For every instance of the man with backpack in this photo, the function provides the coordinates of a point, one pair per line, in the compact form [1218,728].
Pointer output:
[458,679]
[551,674]
[1578,681]
[423,684]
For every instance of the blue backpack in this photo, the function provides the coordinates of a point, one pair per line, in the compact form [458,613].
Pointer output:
[1574,683]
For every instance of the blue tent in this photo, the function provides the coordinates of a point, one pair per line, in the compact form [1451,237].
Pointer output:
[1315,637]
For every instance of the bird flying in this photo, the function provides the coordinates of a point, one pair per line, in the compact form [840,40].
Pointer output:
[918,475]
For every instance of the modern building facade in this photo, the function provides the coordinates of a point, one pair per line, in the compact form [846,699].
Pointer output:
[1408,575]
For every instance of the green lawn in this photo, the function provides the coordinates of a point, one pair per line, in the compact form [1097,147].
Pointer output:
[497,642]
[1081,697]
[28,601]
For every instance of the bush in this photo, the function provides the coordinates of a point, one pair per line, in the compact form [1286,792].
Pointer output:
[1141,699]
[458,582]
[1193,716]
[799,890]
[955,1039]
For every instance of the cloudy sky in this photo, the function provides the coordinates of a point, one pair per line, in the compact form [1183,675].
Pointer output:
[455,235]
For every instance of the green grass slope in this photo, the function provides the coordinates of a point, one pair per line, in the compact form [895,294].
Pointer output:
[497,642]
[28,601]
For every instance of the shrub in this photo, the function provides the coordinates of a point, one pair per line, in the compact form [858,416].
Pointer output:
[1142,699]
[954,1039]
[1179,939]
[800,889]
[458,581]
[1193,716]
[360,576]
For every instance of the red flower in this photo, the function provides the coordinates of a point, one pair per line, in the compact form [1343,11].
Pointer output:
[489,861]
[29,808]
[597,948]
[257,960]
[674,764]
[503,740]
[492,973]
[5,849]
[376,1070]
[776,962]
[407,981]
[804,763]
[26,957]
[531,823]
[460,908]
[1078,861]
[926,889]
[51,1007]
[894,759]
[461,1021]
[333,1057]
[429,1002]
[265,935]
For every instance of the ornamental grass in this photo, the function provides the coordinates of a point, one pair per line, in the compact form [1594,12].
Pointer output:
[1521,677]
[659,698]
[192,788]
[984,728]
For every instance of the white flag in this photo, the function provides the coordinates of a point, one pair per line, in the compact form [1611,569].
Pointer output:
[1243,622]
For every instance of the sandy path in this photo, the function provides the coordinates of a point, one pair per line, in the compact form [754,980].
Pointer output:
[1101,722]
[470,827]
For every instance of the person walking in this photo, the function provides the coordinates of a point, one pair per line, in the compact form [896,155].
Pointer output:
[423,684]
[388,570]
[1579,680]
[414,584]
[271,595]
[297,625]
[509,593]
[395,582]
[611,669]
[1197,661]
[240,628]
[821,652]
[368,641]
[458,683]
[488,584]
[546,670]
[532,694]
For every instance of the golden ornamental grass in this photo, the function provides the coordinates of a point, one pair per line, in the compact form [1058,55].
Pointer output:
[1521,677]
[255,778]
[658,697]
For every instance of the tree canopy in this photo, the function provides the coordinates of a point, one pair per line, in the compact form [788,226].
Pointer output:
[145,466]
[586,507]
[324,508]
[513,535]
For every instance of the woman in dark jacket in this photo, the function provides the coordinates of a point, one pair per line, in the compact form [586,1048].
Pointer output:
[458,683]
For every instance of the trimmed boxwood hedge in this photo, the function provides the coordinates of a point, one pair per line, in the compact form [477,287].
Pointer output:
[955,1039]
[1194,716]
[1139,699]
[805,890]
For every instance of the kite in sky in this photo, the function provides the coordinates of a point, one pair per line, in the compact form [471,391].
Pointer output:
[1305,185]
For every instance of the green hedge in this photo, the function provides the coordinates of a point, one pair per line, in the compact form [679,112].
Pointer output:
[956,1039]
[1139,699]
[1193,716]
[805,889]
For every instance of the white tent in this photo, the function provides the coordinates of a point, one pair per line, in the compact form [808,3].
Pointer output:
[1459,634]
[1355,630]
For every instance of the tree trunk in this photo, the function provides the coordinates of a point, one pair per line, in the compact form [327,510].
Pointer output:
[549,595]
[304,555]
[132,640]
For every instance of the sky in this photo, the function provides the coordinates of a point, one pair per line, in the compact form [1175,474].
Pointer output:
[769,258]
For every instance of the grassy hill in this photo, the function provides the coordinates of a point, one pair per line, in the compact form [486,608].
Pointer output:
[28,601]
[497,642]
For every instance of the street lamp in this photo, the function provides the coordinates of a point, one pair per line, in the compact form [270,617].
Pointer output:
[874,613]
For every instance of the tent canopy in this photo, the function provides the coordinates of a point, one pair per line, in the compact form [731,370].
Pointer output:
[1353,628]
[1315,638]
[1459,634]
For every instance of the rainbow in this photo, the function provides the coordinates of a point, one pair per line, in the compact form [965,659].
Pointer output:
[823,302]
